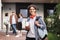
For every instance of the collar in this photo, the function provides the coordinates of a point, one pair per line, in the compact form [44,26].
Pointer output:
[32,16]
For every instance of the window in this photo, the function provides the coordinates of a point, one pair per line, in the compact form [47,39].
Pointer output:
[24,12]
[50,12]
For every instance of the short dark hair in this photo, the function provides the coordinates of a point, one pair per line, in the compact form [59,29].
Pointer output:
[6,14]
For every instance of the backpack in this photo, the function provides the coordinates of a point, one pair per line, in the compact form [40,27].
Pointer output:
[41,31]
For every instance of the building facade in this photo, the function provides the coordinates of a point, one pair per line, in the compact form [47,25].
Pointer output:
[17,6]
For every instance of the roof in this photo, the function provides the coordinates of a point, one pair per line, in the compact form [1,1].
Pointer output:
[31,1]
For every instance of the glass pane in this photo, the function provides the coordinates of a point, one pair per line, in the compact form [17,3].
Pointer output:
[50,12]
[23,12]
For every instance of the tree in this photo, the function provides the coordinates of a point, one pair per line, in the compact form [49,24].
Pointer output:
[55,21]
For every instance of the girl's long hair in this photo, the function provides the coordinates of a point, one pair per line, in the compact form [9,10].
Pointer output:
[32,5]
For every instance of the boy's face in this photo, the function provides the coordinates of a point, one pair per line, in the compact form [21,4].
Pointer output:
[32,11]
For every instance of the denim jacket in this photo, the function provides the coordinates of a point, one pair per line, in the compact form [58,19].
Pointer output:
[38,32]
[41,31]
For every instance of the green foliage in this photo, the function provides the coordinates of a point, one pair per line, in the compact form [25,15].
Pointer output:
[57,12]
[55,21]
[52,36]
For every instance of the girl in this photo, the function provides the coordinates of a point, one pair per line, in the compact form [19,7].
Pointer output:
[33,25]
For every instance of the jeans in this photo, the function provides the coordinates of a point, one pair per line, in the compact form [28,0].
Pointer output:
[14,28]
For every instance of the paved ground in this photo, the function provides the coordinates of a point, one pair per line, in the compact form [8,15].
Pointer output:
[12,37]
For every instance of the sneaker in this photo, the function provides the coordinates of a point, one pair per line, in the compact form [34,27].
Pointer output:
[7,35]
[17,35]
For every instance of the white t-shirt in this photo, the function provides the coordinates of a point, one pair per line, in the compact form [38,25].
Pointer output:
[6,20]
[13,20]
[31,32]
[20,19]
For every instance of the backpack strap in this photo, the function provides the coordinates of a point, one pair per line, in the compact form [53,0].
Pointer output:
[37,18]
[28,19]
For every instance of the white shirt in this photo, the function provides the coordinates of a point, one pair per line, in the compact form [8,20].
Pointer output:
[6,20]
[31,32]
[20,19]
[13,20]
